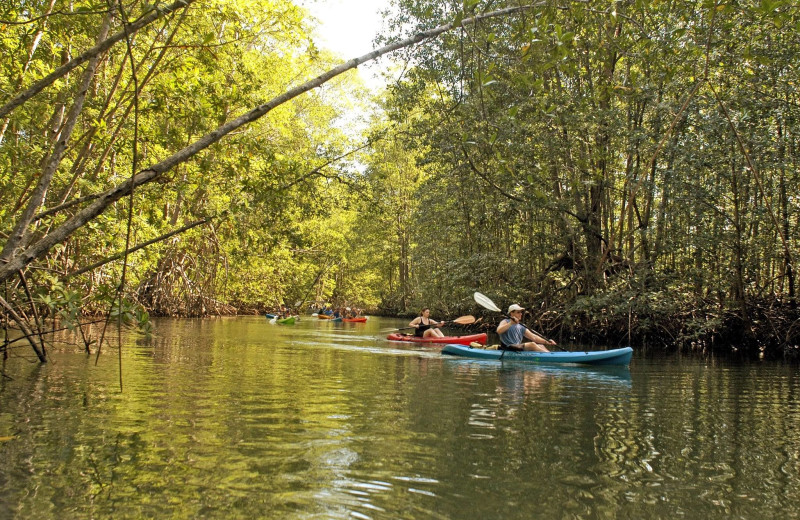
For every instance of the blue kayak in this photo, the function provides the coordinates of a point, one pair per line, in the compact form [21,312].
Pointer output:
[617,356]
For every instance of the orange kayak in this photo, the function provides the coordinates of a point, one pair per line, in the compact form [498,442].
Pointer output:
[362,319]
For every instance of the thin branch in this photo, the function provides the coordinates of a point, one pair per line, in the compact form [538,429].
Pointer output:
[678,116]
[25,329]
[51,331]
[486,179]
[66,205]
[34,311]
[121,254]
[318,169]
[53,13]
[134,165]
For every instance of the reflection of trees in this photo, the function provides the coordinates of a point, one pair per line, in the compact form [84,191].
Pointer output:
[216,414]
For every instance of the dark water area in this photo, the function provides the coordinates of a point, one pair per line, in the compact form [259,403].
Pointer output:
[238,418]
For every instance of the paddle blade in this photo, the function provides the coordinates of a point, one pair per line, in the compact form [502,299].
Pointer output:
[485,302]
[465,320]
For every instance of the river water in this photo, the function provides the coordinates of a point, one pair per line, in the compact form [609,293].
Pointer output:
[238,418]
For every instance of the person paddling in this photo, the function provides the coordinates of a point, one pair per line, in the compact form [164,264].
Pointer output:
[425,327]
[513,333]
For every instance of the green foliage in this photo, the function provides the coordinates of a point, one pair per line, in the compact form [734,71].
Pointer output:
[283,210]
[580,151]
[621,166]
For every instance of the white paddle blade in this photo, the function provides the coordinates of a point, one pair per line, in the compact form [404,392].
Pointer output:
[485,302]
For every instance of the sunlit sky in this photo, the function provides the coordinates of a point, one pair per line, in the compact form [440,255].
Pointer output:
[347,27]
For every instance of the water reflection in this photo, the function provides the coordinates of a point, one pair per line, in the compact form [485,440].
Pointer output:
[236,417]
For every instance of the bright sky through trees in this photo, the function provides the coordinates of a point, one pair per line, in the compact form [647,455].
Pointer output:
[348,27]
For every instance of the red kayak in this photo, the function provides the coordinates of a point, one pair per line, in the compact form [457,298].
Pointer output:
[459,340]
[361,319]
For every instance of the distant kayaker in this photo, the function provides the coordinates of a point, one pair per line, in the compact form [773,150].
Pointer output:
[425,327]
[513,333]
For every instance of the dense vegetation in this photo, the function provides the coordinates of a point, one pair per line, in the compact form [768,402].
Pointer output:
[627,170]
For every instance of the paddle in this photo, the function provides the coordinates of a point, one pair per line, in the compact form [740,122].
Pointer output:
[462,320]
[486,303]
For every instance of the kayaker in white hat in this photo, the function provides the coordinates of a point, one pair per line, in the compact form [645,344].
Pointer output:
[513,333]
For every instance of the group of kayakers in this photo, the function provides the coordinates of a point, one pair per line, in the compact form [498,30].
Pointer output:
[340,311]
[513,334]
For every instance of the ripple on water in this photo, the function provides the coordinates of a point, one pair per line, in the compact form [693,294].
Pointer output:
[239,418]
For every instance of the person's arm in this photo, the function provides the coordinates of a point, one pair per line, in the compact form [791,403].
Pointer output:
[415,322]
[505,325]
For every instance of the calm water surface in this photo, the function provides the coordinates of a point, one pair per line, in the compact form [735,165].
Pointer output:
[237,418]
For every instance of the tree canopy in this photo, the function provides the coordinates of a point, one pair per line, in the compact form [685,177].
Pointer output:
[627,169]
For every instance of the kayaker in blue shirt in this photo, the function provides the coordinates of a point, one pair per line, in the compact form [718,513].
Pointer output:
[425,327]
[513,333]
